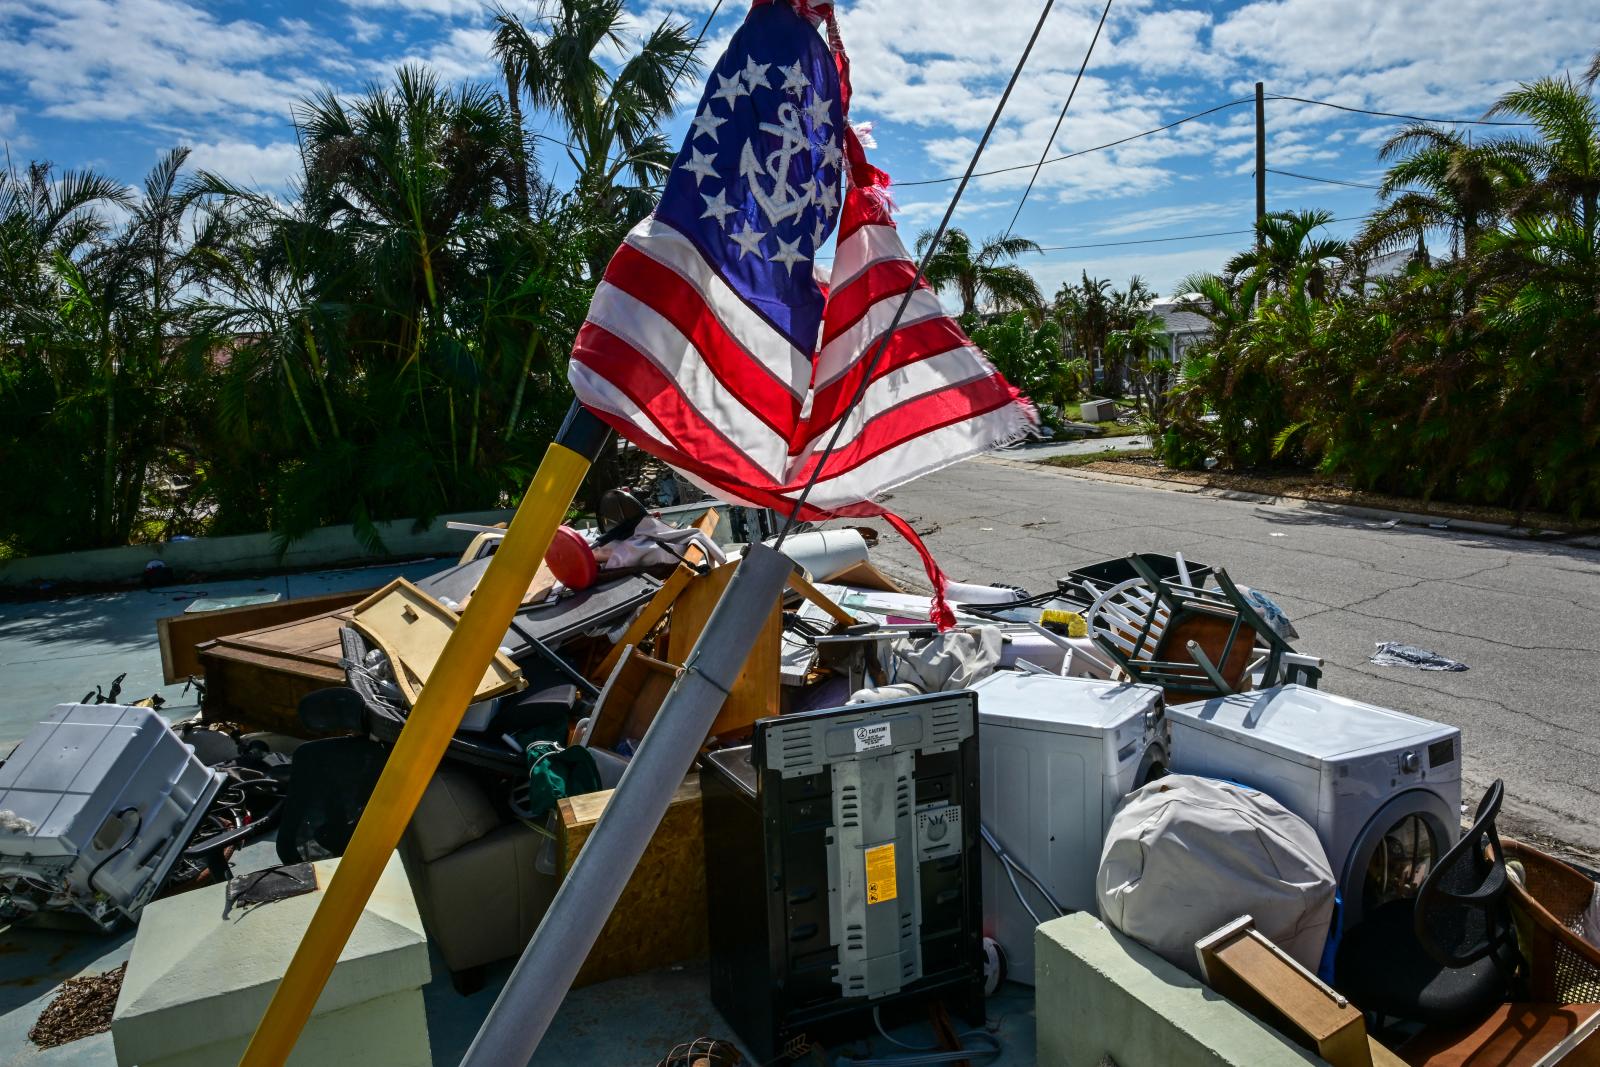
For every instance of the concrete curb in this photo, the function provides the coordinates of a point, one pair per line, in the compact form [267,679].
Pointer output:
[1353,511]
[244,553]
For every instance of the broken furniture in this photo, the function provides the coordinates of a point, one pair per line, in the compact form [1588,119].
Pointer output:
[841,870]
[1193,642]
[1247,968]
[179,635]
[475,874]
[1514,1035]
[1057,756]
[1095,578]
[411,628]
[98,802]
[1102,997]
[258,678]
[1449,956]
[660,919]
[201,973]
[1381,788]
[1549,901]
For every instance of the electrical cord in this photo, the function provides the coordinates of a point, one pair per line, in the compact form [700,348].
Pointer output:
[138,824]
[1010,863]
[917,1056]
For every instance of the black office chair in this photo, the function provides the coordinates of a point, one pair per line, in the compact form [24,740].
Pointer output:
[1448,956]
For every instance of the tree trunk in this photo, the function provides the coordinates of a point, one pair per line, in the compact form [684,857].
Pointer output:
[519,182]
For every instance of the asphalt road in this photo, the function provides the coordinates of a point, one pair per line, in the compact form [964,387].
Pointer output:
[1525,617]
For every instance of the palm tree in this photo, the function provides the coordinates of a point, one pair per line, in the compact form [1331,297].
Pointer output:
[1140,347]
[612,113]
[1226,301]
[1286,241]
[1437,180]
[1564,163]
[985,275]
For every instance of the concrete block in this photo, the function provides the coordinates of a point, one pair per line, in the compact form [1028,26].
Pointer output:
[1098,994]
[198,983]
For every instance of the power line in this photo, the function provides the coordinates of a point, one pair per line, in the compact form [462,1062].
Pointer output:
[1180,237]
[1086,151]
[1052,139]
[1325,181]
[1394,115]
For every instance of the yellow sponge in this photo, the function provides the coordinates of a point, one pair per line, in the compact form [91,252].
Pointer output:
[1071,621]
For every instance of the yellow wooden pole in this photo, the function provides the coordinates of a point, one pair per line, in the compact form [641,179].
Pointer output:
[427,733]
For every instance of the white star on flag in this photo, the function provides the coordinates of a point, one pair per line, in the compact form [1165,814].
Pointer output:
[831,156]
[756,74]
[788,253]
[829,200]
[794,77]
[749,241]
[717,207]
[818,110]
[705,124]
[730,89]
[700,165]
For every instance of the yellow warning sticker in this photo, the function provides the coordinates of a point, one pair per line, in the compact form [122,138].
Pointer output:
[880,874]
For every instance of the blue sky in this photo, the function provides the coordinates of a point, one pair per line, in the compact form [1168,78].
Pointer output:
[110,83]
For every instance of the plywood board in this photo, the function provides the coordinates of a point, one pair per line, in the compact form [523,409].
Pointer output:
[754,693]
[412,628]
[660,919]
[258,678]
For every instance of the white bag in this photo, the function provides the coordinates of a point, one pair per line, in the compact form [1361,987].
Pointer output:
[1187,855]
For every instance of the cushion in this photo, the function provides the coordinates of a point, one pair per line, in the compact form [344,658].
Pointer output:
[453,812]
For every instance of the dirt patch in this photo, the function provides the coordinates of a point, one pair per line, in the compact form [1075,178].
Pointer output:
[82,1008]
[1305,486]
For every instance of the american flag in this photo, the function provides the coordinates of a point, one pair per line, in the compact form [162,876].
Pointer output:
[716,341]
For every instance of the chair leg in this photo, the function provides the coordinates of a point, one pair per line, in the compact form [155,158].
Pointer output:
[467,982]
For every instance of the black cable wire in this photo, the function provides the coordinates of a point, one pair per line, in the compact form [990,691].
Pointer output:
[1325,181]
[1395,115]
[1181,237]
[1052,138]
[138,825]
[916,282]
[1086,151]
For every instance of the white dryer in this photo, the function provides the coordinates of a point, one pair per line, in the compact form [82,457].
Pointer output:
[1382,788]
[1056,755]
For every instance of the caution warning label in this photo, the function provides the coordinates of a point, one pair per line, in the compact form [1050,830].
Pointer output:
[880,874]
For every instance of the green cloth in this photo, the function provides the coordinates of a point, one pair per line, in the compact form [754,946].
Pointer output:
[555,771]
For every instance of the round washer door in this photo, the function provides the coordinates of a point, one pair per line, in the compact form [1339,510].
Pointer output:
[1394,852]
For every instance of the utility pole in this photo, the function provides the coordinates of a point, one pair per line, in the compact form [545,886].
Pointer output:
[1261,153]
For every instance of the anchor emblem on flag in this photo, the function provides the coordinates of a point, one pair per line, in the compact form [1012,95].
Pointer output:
[783,201]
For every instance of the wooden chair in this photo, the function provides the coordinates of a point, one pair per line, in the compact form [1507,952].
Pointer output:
[1194,643]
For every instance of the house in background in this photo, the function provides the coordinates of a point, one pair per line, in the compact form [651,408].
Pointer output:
[1183,326]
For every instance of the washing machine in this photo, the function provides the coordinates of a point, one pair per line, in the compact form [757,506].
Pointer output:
[1056,756]
[1382,788]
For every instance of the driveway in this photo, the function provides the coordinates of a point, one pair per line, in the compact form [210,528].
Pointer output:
[1525,617]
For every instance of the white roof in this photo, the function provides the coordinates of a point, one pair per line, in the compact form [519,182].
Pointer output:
[1083,706]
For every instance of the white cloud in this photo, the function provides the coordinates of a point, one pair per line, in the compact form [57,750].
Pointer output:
[460,55]
[364,29]
[269,166]
[156,61]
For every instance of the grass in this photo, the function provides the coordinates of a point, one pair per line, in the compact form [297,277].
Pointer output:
[1087,458]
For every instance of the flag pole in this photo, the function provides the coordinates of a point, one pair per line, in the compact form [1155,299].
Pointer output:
[427,732]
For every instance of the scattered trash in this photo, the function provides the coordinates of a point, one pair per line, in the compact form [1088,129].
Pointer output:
[1391,524]
[1445,525]
[1277,535]
[82,1009]
[1394,654]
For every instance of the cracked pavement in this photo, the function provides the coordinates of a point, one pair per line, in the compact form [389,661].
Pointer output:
[1524,616]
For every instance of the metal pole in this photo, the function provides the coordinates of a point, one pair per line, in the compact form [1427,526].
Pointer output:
[1261,153]
[427,732]
[521,1014]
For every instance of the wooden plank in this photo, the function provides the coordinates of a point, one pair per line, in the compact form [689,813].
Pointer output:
[754,694]
[660,919]
[412,628]
[646,620]
[798,583]
[179,635]
[1242,965]
[632,695]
